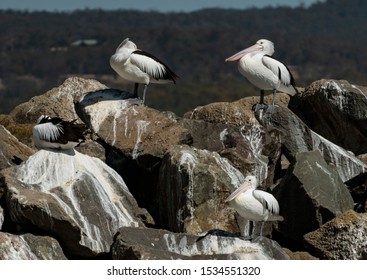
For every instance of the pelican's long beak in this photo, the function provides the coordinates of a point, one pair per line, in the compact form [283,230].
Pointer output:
[244,187]
[242,53]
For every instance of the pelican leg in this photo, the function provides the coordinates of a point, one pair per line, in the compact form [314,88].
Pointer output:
[144,92]
[273,102]
[262,94]
[251,229]
[261,105]
[136,86]
[262,228]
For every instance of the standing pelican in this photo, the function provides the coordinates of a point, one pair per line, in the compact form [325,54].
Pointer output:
[263,71]
[252,204]
[56,133]
[140,67]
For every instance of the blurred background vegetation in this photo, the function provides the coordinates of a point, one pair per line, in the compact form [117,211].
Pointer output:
[39,50]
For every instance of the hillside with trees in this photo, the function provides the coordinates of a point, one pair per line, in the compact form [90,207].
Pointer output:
[40,49]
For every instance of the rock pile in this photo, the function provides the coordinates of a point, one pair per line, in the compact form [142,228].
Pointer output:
[151,185]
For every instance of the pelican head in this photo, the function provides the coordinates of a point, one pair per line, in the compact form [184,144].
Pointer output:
[127,44]
[264,46]
[250,179]
[249,183]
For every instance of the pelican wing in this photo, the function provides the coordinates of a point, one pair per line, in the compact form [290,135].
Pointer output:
[48,131]
[152,66]
[244,187]
[279,69]
[268,200]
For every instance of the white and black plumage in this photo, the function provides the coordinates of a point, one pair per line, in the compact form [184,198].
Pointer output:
[56,133]
[252,204]
[140,67]
[263,71]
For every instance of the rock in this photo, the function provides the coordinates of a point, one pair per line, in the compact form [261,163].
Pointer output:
[192,186]
[22,132]
[236,113]
[58,101]
[72,196]
[231,129]
[155,244]
[363,157]
[136,131]
[299,255]
[337,110]
[135,139]
[298,137]
[1,217]
[358,189]
[93,148]
[310,194]
[29,247]
[342,238]
[11,150]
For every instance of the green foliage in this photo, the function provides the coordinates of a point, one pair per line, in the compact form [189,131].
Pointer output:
[326,40]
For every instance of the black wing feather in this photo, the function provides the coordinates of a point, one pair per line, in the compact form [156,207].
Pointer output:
[168,74]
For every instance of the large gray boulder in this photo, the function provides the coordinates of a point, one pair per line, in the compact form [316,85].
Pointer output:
[29,247]
[134,130]
[154,244]
[192,187]
[337,110]
[298,137]
[59,101]
[72,196]
[310,194]
[342,238]
[231,129]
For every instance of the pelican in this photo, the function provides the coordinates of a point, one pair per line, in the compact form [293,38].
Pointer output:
[140,67]
[56,133]
[252,204]
[263,71]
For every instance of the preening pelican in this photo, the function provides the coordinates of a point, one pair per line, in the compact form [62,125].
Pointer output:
[263,71]
[252,204]
[140,67]
[56,133]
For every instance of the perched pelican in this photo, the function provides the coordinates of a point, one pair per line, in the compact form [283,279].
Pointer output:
[140,67]
[252,204]
[57,134]
[263,71]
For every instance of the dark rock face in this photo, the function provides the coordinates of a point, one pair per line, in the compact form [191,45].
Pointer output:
[310,194]
[342,238]
[232,130]
[141,168]
[29,247]
[192,187]
[337,110]
[298,137]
